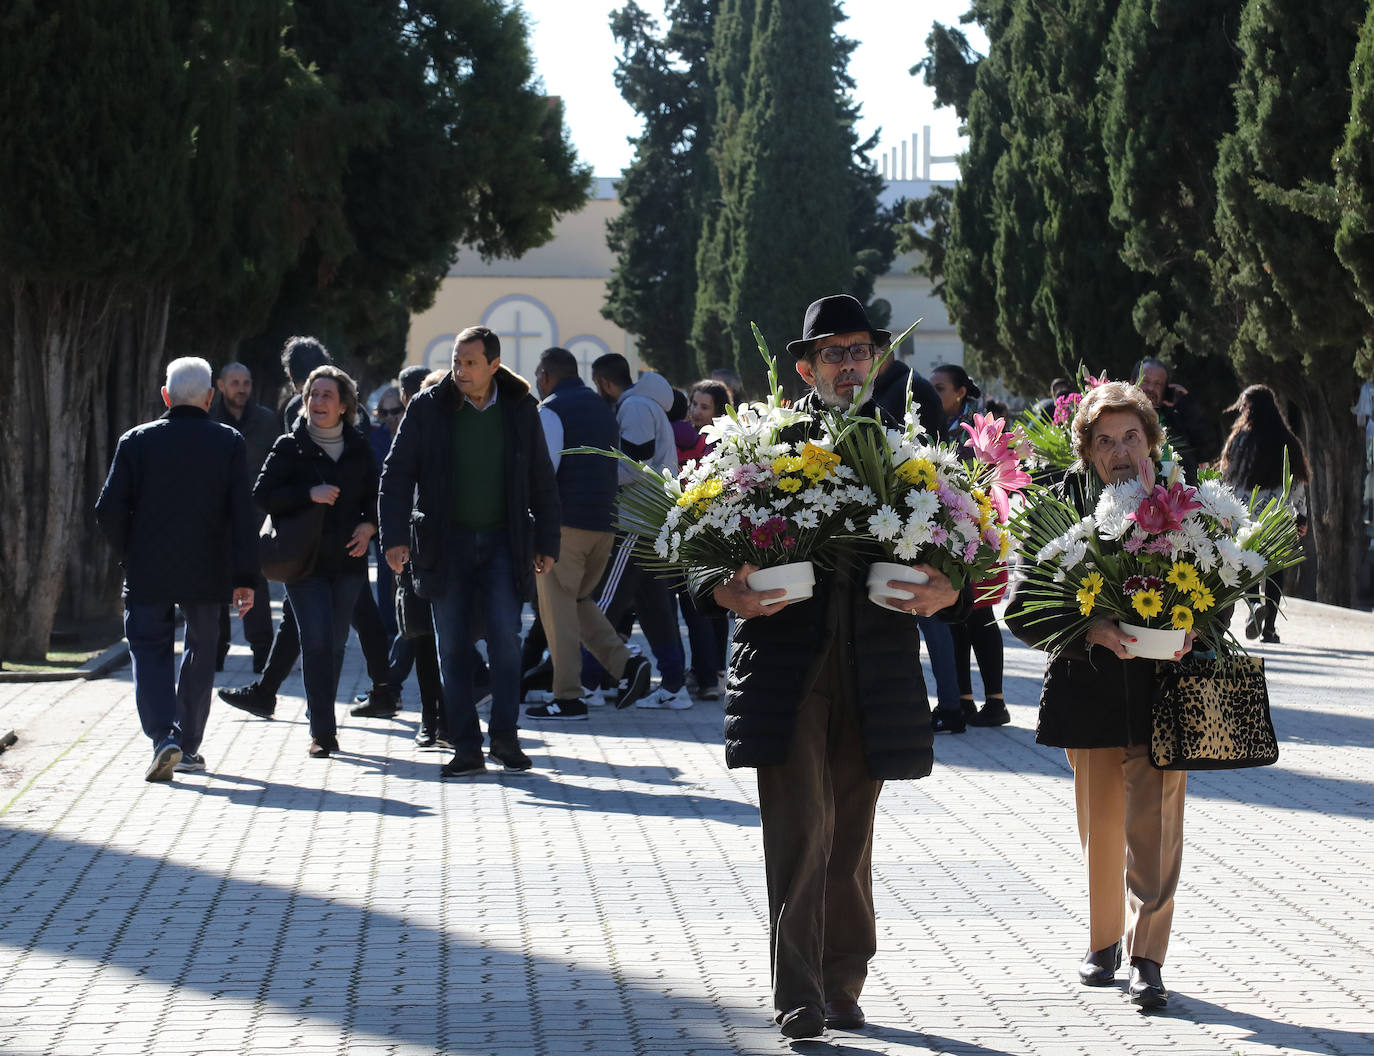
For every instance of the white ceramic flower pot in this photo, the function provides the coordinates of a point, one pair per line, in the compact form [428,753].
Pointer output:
[878,575]
[1154,643]
[797,578]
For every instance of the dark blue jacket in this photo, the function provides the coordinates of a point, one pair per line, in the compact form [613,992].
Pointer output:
[417,497]
[586,483]
[175,507]
[296,465]
[889,393]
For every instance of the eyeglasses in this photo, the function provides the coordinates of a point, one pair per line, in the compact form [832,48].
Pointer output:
[837,353]
[388,412]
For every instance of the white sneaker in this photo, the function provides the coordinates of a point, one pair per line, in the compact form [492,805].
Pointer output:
[674,700]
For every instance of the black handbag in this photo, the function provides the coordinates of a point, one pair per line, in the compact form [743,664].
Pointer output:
[414,618]
[289,543]
[1212,714]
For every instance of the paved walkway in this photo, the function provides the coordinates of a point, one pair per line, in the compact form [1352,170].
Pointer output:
[613,901]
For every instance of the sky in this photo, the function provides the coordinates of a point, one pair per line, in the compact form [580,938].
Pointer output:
[575,56]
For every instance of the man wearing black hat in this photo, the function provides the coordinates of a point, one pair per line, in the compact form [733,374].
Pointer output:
[823,701]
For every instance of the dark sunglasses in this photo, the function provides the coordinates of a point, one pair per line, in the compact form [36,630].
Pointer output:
[388,412]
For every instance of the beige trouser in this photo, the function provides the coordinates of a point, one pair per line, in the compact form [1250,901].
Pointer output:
[571,618]
[817,811]
[1130,822]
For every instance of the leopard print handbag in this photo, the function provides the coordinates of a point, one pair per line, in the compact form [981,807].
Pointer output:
[1212,714]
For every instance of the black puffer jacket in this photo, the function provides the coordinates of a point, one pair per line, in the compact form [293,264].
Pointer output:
[296,464]
[775,660]
[1090,698]
[417,498]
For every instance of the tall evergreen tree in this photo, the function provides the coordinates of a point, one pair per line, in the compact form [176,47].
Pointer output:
[1299,320]
[1167,106]
[652,288]
[1354,165]
[793,189]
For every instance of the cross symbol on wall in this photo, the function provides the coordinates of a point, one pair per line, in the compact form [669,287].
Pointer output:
[518,336]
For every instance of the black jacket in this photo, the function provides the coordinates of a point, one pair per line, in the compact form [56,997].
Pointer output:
[417,497]
[259,428]
[175,508]
[775,660]
[1090,698]
[889,393]
[298,464]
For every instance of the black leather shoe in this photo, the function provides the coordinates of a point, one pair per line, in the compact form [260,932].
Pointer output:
[992,713]
[1146,987]
[425,737]
[1099,967]
[942,721]
[382,703]
[251,698]
[844,1015]
[807,1021]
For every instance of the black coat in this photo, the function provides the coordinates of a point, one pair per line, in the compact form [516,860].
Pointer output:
[175,507]
[417,491]
[775,661]
[889,393]
[1090,698]
[298,464]
[259,428]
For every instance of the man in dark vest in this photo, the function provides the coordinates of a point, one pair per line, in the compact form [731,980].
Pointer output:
[469,498]
[176,509]
[825,698]
[575,415]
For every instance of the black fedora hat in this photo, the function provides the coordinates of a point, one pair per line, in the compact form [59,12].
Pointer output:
[836,314]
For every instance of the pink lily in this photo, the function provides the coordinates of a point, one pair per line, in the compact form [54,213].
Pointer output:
[1164,508]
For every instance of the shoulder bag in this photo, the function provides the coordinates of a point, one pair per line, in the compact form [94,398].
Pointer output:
[289,543]
[413,616]
[1212,714]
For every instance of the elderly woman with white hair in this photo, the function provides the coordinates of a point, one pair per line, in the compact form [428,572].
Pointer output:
[1095,704]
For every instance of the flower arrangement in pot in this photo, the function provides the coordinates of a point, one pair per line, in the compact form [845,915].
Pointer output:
[930,506]
[1162,557]
[1049,436]
[758,497]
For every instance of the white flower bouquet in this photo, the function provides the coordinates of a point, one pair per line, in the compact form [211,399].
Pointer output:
[1156,556]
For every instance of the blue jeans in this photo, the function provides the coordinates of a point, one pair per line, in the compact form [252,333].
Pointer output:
[324,608]
[481,583]
[172,707]
[940,646]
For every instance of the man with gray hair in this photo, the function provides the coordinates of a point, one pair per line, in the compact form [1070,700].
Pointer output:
[176,509]
[235,407]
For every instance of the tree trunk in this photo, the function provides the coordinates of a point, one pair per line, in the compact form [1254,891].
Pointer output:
[129,396]
[1336,455]
[55,337]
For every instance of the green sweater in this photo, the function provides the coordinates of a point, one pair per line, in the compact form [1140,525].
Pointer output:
[479,467]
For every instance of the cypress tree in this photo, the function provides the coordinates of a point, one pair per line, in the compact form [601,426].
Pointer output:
[1354,165]
[1167,106]
[1299,320]
[652,288]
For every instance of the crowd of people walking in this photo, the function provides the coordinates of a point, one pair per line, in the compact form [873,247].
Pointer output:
[474,494]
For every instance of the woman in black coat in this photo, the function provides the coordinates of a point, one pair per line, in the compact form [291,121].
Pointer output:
[1253,458]
[324,461]
[1095,704]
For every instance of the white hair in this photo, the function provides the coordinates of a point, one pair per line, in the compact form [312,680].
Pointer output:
[188,380]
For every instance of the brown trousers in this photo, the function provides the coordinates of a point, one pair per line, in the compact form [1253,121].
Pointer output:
[571,617]
[1130,822]
[817,811]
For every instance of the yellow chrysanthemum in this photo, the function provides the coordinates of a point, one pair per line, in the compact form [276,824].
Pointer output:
[1202,599]
[1086,600]
[919,471]
[789,484]
[1148,603]
[1181,618]
[701,495]
[787,464]
[1003,545]
[1092,583]
[1184,576]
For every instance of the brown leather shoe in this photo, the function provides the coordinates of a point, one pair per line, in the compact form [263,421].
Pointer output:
[805,1021]
[844,1015]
